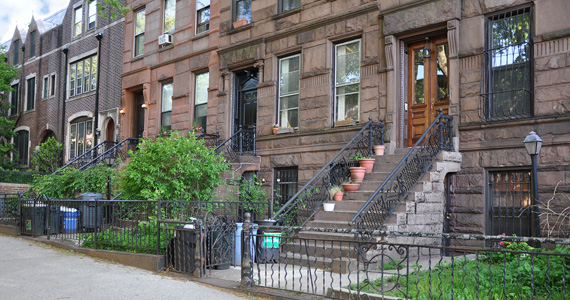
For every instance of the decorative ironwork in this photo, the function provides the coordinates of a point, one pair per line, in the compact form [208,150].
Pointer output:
[119,152]
[210,140]
[240,143]
[411,168]
[307,201]
[88,156]
[218,245]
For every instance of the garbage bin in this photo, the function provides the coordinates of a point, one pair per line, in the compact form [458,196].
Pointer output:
[236,256]
[54,220]
[268,243]
[33,218]
[69,218]
[181,251]
[87,210]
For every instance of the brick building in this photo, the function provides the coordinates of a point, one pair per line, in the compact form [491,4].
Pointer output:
[57,59]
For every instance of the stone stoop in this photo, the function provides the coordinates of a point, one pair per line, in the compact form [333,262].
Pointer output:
[243,164]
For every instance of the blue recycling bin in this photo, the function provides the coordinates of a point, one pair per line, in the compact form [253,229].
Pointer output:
[69,217]
[236,255]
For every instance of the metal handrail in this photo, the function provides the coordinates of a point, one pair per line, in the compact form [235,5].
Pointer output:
[246,143]
[84,155]
[336,171]
[406,174]
[208,138]
[113,151]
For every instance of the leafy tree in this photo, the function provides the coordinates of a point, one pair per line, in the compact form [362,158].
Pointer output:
[7,73]
[172,168]
[111,8]
[48,157]
[69,182]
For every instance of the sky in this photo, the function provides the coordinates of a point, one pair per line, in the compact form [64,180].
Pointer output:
[20,12]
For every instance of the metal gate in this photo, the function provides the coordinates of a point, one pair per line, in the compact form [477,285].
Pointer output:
[217,243]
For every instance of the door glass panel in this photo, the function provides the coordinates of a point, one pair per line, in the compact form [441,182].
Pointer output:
[250,108]
[80,138]
[418,78]
[442,73]
[89,136]
[72,140]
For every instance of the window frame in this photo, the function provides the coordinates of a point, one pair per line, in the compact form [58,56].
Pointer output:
[196,105]
[33,43]
[77,84]
[336,87]
[77,24]
[165,2]
[26,147]
[87,142]
[141,34]
[164,112]
[279,96]
[91,14]
[16,46]
[46,86]
[234,10]
[281,9]
[14,95]
[30,95]
[490,110]
[52,86]
[198,19]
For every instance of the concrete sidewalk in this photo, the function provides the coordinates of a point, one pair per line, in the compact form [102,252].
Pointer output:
[31,270]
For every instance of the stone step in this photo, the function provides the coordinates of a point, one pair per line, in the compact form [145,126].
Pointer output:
[334,265]
[326,236]
[336,215]
[349,205]
[329,224]
[359,195]
[323,249]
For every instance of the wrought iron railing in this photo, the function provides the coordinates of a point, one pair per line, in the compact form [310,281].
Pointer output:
[9,208]
[89,155]
[411,168]
[119,152]
[210,140]
[242,142]
[308,200]
[8,176]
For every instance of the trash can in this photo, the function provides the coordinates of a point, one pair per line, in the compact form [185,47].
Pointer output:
[33,218]
[236,255]
[69,218]
[268,243]
[87,210]
[181,251]
[54,220]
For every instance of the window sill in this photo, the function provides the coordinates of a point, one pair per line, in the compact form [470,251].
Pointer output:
[200,35]
[165,48]
[241,28]
[29,111]
[287,13]
[77,97]
[137,58]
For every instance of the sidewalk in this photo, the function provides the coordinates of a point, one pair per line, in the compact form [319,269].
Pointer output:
[31,270]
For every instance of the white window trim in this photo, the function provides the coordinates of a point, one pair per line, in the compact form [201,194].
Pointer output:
[10,96]
[72,61]
[87,15]
[53,81]
[33,75]
[76,6]
[335,104]
[16,130]
[196,18]
[68,130]
[164,18]
[134,31]
[279,90]
[45,86]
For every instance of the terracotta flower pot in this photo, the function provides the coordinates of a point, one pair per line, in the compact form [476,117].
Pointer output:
[357,173]
[350,187]
[338,196]
[379,149]
[328,206]
[274,131]
[240,23]
[367,163]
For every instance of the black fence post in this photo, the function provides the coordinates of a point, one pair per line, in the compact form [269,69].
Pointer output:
[246,259]
[370,133]
[440,129]
[382,132]
[158,228]
[240,140]
[20,217]
[254,137]
[96,223]
[450,132]
[48,218]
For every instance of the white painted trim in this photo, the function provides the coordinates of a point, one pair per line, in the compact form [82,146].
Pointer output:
[45,85]
[76,115]
[33,75]
[23,128]
[53,81]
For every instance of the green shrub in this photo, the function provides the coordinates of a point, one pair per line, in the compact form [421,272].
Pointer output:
[47,158]
[69,182]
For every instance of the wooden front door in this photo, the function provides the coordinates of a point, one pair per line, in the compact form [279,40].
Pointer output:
[246,101]
[428,82]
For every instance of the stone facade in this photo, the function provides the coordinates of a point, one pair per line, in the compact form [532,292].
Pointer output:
[53,35]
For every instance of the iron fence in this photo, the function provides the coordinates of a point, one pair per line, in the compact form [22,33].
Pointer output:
[24,177]
[9,208]
[402,265]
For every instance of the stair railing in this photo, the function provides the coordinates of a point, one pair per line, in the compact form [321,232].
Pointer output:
[240,143]
[89,155]
[308,200]
[119,152]
[406,174]
[210,140]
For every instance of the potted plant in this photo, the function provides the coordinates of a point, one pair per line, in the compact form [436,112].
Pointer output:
[346,122]
[365,162]
[328,205]
[357,173]
[275,126]
[336,192]
[379,149]
[350,186]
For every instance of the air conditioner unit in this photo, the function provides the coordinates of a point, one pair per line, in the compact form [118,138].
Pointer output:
[165,39]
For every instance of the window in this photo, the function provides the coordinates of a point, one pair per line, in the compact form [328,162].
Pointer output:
[285,186]
[52,88]
[201,99]
[45,92]
[80,137]
[289,91]
[169,15]
[77,21]
[347,81]
[92,13]
[285,5]
[31,94]
[166,115]
[139,32]
[509,202]
[16,52]
[508,68]
[242,10]
[32,44]
[21,141]
[83,76]
[14,99]
[202,15]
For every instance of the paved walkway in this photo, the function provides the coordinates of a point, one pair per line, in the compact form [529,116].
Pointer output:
[30,270]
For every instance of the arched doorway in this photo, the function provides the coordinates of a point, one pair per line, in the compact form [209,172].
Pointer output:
[47,134]
[110,131]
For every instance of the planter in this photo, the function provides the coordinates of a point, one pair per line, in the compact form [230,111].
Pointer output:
[350,187]
[338,196]
[285,130]
[274,131]
[379,149]
[367,163]
[328,206]
[240,23]
[357,173]
[344,123]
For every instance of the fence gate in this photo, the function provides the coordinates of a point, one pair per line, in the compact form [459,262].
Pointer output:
[217,242]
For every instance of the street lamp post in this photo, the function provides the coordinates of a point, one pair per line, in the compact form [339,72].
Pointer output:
[533,143]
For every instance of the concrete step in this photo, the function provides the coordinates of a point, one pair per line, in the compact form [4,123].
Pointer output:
[336,215]
[329,224]
[342,265]
[349,205]
[359,195]
[323,249]
[326,236]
